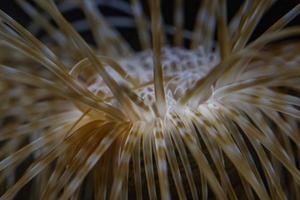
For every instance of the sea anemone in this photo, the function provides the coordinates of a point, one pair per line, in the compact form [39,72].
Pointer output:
[207,113]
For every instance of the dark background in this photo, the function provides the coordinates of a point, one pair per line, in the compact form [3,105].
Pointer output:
[190,7]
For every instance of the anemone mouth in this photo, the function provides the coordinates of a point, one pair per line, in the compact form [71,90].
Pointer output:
[216,118]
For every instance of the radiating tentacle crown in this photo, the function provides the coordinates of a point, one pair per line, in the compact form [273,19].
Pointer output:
[194,114]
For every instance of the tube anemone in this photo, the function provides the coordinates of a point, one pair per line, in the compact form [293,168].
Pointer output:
[210,114]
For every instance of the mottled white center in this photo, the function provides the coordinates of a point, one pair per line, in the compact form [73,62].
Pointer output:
[182,68]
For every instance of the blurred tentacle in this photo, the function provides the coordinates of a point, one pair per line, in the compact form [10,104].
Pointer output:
[107,39]
[178,22]
[183,155]
[148,162]
[161,159]
[221,135]
[205,25]
[8,73]
[92,159]
[142,24]
[247,27]
[223,32]
[160,99]
[85,50]
[201,161]
[42,21]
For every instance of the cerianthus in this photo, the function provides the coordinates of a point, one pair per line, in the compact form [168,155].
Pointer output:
[209,113]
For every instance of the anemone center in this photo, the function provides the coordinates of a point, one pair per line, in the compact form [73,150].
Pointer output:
[182,68]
